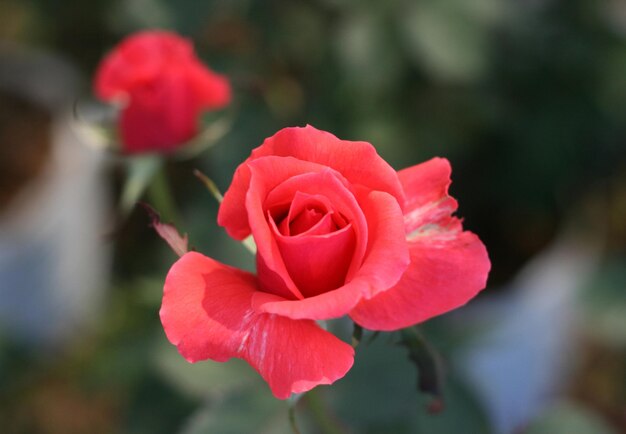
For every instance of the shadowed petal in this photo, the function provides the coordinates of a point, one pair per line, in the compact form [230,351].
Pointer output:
[206,307]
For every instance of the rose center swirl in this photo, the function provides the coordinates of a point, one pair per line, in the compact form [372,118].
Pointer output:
[315,241]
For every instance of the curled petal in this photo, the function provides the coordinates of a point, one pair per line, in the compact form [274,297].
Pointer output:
[448,268]
[317,263]
[207,314]
[357,162]
[426,189]
[385,261]
[275,180]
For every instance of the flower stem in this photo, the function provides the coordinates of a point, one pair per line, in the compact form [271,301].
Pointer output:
[160,195]
[292,419]
[248,243]
[327,423]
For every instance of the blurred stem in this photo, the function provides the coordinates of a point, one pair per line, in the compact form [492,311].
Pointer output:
[357,335]
[429,364]
[248,243]
[210,185]
[161,198]
[326,422]
[292,419]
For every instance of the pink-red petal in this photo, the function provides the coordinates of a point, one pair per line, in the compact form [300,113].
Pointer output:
[275,180]
[206,313]
[160,116]
[206,308]
[448,268]
[357,162]
[295,356]
[384,264]
[212,90]
[426,189]
[138,59]
[387,255]
[317,263]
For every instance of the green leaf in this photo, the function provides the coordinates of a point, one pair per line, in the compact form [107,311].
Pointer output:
[140,171]
[569,418]
[382,374]
[248,411]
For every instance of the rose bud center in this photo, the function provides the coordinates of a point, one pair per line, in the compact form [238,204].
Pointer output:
[315,241]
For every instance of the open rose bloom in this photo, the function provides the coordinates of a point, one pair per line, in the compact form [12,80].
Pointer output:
[338,232]
[162,86]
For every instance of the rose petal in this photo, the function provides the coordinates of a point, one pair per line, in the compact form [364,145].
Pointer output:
[387,254]
[357,162]
[337,196]
[295,356]
[274,181]
[212,90]
[448,268]
[206,308]
[317,263]
[307,212]
[386,260]
[137,59]
[161,115]
[426,189]
[206,313]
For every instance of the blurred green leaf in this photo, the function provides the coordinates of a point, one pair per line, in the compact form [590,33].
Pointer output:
[382,374]
[247,411]
[206,378]
[569,418]
[140,172]
[604,303]
[449,39]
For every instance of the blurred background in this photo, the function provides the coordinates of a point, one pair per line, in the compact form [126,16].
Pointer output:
[527,99]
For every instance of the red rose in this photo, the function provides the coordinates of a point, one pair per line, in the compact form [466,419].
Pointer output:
[164,86]
[338,232]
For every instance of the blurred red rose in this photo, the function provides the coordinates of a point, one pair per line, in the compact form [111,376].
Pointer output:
[338,231]
[164,87]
